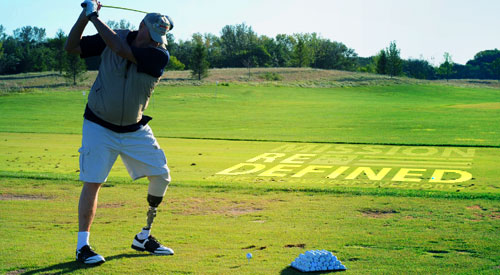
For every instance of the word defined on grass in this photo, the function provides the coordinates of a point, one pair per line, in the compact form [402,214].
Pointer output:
[413,167]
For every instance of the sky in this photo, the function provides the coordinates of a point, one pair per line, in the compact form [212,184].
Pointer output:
[423,29]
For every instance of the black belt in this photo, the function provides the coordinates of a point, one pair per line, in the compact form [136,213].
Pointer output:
[89,115]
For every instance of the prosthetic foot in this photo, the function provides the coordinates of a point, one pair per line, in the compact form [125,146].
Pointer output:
[145,241]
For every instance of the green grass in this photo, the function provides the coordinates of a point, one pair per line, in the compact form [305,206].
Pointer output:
[212,220]
[211,231]
[195,162]
[373,115]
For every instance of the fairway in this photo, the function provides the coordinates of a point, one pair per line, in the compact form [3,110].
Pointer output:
[277,165]
[398,114]
[391,179]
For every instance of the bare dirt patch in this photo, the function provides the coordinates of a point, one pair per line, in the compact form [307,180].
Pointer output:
[300,245]
[438,251]
[495,215]
[22,197]
[378,213]
[111,205]
[255,247]
[15,272]
[482,212]
[213,206]
[464,251]
[479,106]
[475,207]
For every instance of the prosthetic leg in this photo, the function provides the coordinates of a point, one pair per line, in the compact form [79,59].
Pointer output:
[144,241]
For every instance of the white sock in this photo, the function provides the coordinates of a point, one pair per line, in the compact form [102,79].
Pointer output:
[144,234]
[83,239]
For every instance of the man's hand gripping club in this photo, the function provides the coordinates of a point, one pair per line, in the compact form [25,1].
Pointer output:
[91,8]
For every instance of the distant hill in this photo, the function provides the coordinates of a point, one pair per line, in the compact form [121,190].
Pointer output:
[296,77]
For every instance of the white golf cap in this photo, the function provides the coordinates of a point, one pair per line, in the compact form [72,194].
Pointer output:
[158,26]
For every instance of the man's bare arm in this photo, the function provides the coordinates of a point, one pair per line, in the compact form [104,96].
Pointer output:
[112,40]
[75,35]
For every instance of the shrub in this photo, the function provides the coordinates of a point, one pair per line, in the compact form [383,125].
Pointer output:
[272,76]
[175,65]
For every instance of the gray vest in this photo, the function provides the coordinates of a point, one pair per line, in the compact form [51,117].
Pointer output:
[120,94]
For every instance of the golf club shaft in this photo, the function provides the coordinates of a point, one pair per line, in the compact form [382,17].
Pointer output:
[114,7]
[120,8]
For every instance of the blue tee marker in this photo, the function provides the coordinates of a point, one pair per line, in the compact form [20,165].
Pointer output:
[249,256]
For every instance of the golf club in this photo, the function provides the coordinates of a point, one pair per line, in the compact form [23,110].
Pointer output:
[114,7]
[120,8]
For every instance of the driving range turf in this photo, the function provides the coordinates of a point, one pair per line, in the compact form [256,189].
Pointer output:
[391,179]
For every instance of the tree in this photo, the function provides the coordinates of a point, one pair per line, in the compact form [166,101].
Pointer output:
[2,38]
[445,70]
[281,53]
[74,68]
[199,64]
[57,46]
[267,45]
[381,61]
[1,51]
[419,68]
[30,49]
[495,68]
[41,59]
[12,54]
[174,64]
[366,64]
[214,53]
[394,62]
[3,35]
[234,41]
[333,55]
[301,56]
[486,56]
[248,62]
[122,25]
[172,46]
[29,35]
[480,66]
[184,52]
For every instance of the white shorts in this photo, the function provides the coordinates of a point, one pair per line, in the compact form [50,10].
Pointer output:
[139,151]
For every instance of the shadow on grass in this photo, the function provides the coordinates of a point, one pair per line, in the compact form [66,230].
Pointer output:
[72,266]
[166,79]
[54,85]
[29,88]
[27,76]
[292,271]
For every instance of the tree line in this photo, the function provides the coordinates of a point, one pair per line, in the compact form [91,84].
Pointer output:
[29,50]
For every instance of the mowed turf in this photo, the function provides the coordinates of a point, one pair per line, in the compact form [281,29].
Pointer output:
[212,229]
[406,170]
[418,114]
[386,209]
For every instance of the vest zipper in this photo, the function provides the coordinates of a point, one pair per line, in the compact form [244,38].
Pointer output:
[129,63]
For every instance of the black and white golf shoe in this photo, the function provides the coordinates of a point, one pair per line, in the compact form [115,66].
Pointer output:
[87,256]
[152,246]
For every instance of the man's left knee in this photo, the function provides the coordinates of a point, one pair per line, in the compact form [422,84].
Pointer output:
[154,202]
[158,185]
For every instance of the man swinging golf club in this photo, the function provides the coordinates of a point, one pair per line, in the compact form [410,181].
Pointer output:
[132,63]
